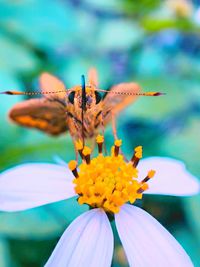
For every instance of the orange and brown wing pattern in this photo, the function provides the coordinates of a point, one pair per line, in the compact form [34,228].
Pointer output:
[50,83]
[93,77]
[114,102]
[43,114]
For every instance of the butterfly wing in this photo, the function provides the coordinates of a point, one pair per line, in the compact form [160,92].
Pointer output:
[43,114]
[49,83]
[113,103]
[93,77]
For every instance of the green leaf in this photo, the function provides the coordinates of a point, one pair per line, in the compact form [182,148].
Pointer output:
[125,34]
[191,207]
[185,145]
[5,260]
[14,57]
[8,82]
[42,23]
[188,240]
[155,24]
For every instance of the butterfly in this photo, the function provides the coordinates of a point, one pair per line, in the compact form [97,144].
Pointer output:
[80,110]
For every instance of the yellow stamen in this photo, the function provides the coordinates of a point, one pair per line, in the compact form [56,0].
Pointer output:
[138,152]
[79,145]
[86,153]
[137,156]
[150,175]
[118,143]
[143,188]
[138,149]
[100,140]
[72,166]
[108,182]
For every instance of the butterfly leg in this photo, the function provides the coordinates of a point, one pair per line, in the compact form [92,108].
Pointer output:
[102,127]
[115,133]
[114,126]
[92,143]
[76,152]
[103,132]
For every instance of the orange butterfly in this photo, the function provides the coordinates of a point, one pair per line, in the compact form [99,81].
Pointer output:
[61,110]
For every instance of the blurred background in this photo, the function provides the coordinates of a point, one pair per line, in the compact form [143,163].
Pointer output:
[153,42]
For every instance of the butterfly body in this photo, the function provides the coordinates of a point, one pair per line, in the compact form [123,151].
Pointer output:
[92,112]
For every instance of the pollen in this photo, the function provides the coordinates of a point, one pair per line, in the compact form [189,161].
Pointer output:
[151,173]
[86,151]
[72,165]
[118,142]
[79,145]
[99,139]
[138,152]
[109,181]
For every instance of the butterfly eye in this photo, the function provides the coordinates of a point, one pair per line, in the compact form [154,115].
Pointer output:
[71,97]
[98,97]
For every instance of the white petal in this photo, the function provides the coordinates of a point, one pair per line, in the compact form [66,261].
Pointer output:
[31,185]
[87,242]
[171,177]
[147,242]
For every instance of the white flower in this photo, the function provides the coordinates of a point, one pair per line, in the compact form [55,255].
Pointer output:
[88,241]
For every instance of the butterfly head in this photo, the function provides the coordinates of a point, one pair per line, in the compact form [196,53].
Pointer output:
[87,101]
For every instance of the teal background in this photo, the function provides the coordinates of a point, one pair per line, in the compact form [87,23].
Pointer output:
[152,42]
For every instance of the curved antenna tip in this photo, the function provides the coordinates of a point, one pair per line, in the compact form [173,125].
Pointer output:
[160,93]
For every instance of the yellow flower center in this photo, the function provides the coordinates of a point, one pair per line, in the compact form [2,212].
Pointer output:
[108,182]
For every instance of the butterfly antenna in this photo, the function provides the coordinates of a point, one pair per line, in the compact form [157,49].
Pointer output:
[83,107]
[32,93]
[131,93]
[19,93]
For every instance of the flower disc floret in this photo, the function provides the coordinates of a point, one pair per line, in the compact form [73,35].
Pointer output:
[108,182]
